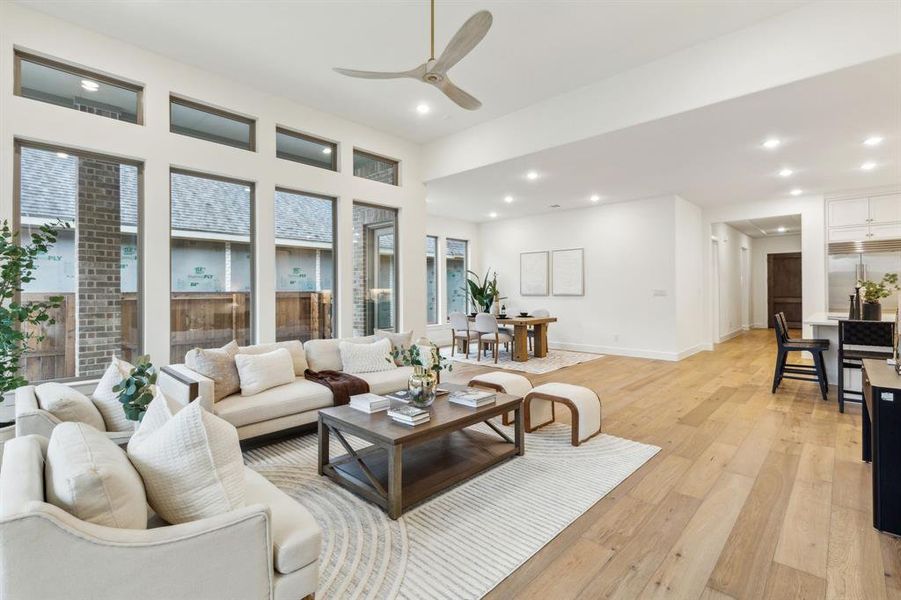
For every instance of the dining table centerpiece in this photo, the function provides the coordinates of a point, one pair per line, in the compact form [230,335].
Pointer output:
[427,364]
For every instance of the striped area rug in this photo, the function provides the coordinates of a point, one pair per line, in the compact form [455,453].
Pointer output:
[464,542]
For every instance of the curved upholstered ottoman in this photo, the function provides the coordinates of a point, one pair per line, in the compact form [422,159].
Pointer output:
[583,403]
[515,385]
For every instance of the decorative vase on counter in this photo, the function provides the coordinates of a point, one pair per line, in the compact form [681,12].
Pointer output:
[852,311]
[422,385]
[871,311]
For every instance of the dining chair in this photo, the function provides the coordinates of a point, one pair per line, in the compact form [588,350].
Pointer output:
[858,340]
[490,335]
[540,313]
[802,372]
[460,331]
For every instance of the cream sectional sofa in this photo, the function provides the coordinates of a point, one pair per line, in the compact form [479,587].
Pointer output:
[285,407]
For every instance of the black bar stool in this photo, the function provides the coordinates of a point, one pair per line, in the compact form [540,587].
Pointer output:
[785,370]
[869,339]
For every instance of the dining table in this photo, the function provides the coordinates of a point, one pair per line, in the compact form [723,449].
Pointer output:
[521,334]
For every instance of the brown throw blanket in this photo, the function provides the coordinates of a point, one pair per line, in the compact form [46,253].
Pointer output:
[343,386]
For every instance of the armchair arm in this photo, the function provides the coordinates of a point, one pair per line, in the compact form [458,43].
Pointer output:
[186,385]
[30,418]
[22,473]
[226,556]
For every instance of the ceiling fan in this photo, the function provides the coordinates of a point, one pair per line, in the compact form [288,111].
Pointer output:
[434,72]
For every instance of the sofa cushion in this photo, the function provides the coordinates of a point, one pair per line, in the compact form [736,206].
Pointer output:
[68,404]
[295,347]
[400,340]
[385,382]
[191,466]
[290,399]
[366,358]
[324,355]
[107,401]
[89,476]
[260,372]
[158,413]
[296,538]
[218,365]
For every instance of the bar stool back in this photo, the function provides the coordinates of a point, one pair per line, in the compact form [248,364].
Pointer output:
[858,340]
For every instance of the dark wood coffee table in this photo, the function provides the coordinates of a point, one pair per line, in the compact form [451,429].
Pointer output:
[405,465]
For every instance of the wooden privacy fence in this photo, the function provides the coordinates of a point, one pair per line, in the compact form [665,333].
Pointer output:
[198,319]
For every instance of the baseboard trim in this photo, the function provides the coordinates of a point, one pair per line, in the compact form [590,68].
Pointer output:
[730,335]
[630,352]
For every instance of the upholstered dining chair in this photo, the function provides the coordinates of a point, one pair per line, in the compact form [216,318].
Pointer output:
[460,331]
[540,313]
[490,335]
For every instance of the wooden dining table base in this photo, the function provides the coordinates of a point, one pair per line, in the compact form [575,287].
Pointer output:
[521,340]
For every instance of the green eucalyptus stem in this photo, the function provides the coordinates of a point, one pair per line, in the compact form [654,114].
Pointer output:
[136,391]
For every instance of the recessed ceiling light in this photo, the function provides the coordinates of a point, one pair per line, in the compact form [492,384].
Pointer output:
[873,140]
[781,229]
[555,206]
[246,189]
[785,173]
[796,192]
[508,199]
[62,155]
[868,166]
[89,85]
[595,198]
[423,108]
[493,215]
[326,150]
[532,175]
[772,143]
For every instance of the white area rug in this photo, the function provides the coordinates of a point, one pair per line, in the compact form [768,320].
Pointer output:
[462,543]
[555,359]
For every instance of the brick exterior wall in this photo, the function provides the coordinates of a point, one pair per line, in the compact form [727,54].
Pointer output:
[98,243]
[363,215]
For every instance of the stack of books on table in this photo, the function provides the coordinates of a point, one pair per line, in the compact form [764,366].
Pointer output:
[369,403]
[472,397]
[409,415]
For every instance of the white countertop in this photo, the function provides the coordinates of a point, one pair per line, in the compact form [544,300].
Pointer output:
[831,319]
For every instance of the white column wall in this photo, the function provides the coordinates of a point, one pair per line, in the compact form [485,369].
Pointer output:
[160,150]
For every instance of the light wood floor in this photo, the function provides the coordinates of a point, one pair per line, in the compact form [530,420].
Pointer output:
[754,495]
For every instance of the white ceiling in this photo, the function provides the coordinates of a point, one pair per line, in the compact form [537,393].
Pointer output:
[769,227]
[709,156]
[535,50]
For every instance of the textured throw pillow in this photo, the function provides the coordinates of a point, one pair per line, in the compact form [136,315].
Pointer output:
[191,466]
[219,365]
[323,355]
[259,372]
[158,413]
[400,340]
[89,476]
[295,347]
[107,401]
[67,404]
[366,358]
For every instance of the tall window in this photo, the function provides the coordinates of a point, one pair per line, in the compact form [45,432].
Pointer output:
[93,265]
[431,279]
[211,253]
[375,268]
[304,266]
[57,83]
[456,266]
[377,168]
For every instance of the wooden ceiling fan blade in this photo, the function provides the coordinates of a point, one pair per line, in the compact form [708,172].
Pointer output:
[379,74]
[466,38]
[461,98]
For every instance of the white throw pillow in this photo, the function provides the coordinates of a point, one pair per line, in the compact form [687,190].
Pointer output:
[90,477]
[366,358]
[259,372]
[400,340]
[158,413]
[295,347]
[107,401]
[191,466]
[67,404]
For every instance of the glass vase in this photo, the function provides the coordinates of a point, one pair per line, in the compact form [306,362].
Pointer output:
[422,385]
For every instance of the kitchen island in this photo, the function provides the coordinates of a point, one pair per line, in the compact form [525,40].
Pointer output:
[825,326]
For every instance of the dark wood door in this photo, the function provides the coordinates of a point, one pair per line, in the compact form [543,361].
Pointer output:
[783,280]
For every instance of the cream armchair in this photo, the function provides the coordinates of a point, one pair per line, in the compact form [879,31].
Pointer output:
[267,550]
[31,419]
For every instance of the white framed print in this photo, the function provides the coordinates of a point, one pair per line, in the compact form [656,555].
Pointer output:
[568,272]
[533,273]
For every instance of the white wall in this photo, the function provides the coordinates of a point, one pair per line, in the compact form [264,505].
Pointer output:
[733,293]
[159,150]
[444,228]
[761,248]
[689,252]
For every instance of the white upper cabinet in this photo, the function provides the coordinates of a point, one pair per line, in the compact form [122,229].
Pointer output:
[885,209]
[845,213]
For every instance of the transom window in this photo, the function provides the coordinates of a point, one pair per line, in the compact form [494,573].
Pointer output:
[210,124]
[306,149]
[374,167]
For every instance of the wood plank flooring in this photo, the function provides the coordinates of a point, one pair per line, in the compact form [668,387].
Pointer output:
[754,495]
